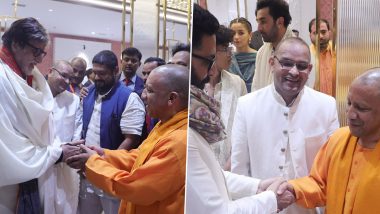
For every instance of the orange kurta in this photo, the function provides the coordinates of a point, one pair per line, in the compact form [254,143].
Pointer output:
[345,177]
[327,69]
[150,179]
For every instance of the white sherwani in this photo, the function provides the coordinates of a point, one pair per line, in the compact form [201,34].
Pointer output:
[227,92]
[66,118]
[26,136]
[263,75]
[210,190]
[270,139]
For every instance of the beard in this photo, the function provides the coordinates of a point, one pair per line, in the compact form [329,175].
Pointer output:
[199,83]
[271,36]
[103,86]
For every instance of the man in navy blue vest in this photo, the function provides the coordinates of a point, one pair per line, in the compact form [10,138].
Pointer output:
[130,62]
[113,116]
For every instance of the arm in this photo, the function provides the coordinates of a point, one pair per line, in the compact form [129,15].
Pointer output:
[166,163]
[132,121]
[131,141]
[206,190]
[78,121]
[310,191]
[239,143]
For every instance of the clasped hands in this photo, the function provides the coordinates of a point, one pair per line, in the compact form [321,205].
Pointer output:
[76,154]
[284,191]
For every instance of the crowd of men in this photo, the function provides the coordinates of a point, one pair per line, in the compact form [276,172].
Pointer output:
[70,146]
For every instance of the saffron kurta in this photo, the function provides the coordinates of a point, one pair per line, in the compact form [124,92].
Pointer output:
[150,179]
[327,67]
[345,177]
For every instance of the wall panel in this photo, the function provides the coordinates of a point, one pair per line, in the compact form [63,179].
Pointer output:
[358,44]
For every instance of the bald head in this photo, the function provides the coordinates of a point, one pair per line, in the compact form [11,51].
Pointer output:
[166,91]
[79,65]
[175,78]
[59,76]
[62,64]
[287,44]
[369,78]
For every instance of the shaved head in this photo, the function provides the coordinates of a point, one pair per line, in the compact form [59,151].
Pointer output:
[175,78]
[363,107]
[369,78]
[291,41]
[166,92]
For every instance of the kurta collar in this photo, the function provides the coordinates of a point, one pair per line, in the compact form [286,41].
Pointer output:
[281,100]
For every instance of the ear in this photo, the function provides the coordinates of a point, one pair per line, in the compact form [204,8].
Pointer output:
[309,69]
[16,46]
[173,97]
[280,21]
[271,61]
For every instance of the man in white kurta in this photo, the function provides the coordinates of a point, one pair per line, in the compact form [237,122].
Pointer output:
[27,145]
[227,92]
[67,117]
[279,129]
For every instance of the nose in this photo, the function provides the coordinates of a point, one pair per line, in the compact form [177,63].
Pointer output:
[351,114]
[259,28]
[143,95]
[39,58]
[67,80]
[294,71]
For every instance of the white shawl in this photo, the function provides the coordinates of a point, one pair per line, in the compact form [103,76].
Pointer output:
[27,150]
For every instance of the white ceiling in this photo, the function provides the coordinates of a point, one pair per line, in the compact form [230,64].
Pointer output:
[74,19]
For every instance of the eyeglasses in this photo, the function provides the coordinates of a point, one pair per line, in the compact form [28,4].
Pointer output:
[227,51]
[64,76]
[289,64]
[207,61]
[36,51]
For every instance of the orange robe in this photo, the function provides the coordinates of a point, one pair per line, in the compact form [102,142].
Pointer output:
[151,178]
[345,177]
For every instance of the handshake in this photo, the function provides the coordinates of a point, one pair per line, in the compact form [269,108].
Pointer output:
[76,154]
[284,191]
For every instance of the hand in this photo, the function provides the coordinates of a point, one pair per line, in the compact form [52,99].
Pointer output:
[79,161]
[98,150]
[284,200]
[83,93]
[264,184]
[285,195]
[71,149]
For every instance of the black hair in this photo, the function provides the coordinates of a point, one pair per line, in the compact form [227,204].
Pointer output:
[180,47]
[24,30]
[107,58]
[155,59]
[277,9]
[321,20]
[243,21]
[204,23]
[224,35]
[131,51]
